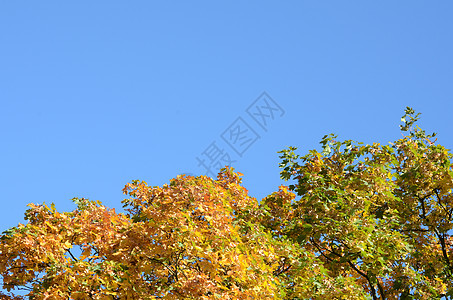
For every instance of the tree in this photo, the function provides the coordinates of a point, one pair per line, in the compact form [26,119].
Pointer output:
[379,214]
[191,239]
[358,222]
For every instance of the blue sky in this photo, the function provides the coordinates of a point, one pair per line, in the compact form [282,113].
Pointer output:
[95,94]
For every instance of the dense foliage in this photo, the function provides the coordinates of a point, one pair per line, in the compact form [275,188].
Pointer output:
[357,222]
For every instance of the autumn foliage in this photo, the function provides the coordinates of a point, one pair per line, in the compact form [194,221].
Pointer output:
[357,222]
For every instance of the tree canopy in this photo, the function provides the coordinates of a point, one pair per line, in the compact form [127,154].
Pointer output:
[356,222]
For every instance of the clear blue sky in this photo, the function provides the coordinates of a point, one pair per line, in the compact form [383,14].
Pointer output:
[95,94]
